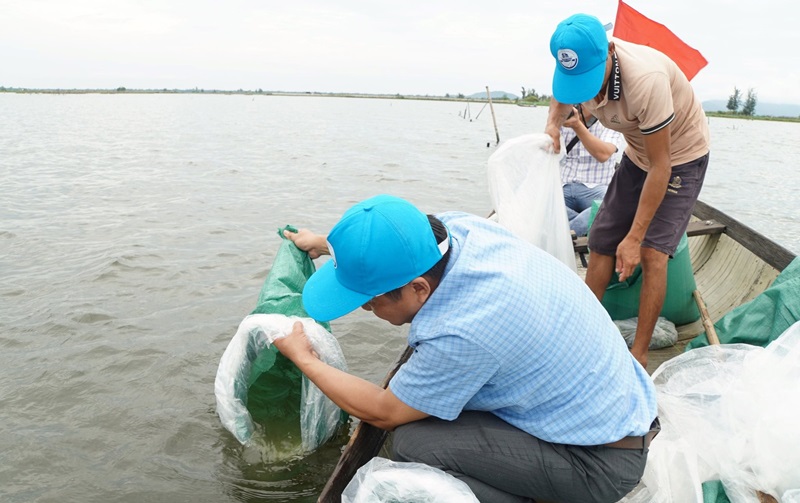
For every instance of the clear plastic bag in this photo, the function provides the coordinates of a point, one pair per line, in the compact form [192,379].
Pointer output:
[385,481]
[250,354]
[262,397]
[664,334]
[525,190]
[791,496]
[728,413]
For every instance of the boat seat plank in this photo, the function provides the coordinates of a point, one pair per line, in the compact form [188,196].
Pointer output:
[696,228]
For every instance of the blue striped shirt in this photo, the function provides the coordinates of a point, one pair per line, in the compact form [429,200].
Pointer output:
[514,331]
[578,166]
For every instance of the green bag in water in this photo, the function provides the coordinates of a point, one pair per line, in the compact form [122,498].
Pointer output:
[261,395]
[283,288]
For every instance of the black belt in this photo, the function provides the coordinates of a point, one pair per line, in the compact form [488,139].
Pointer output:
[641,442]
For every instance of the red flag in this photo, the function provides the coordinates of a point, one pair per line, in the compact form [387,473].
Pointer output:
[634,27]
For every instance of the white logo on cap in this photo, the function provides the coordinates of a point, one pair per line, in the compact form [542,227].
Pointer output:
[568,58]
[333,254]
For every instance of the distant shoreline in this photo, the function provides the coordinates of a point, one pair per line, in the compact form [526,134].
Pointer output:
[730,115]
[510,101]
[259,92]
[20,90]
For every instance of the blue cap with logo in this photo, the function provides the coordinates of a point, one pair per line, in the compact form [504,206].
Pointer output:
[580,47]
[379,244]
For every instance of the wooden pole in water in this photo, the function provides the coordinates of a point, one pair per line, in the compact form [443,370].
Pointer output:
[491,107]
[479,113]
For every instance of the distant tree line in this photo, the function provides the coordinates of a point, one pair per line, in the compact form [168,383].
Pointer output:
[495,97]
[748,108]
[531,96]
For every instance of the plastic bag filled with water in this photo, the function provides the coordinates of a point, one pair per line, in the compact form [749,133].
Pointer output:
[262,397]
[665,333]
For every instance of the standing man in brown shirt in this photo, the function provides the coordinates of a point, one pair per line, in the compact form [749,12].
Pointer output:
[641,93]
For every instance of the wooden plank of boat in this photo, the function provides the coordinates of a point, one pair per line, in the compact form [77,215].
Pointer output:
[732,264]
[695,228]
[365,443]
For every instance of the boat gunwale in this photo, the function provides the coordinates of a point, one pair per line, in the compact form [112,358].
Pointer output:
[764,248]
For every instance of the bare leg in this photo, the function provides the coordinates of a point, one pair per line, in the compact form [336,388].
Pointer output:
[651,300]
[599,272]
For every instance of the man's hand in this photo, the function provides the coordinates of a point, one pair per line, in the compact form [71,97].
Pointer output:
[307,241]
[573,121]
[641,356]
[296,345]
[556,116]
[356,396]
[628,256]
[555,134]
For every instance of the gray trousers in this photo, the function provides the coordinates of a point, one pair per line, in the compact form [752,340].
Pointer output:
[501,463]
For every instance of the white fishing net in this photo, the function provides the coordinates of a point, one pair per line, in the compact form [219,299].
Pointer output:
[728,413]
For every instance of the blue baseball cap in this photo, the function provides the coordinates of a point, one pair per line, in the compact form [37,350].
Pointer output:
[379,244]
[580,47]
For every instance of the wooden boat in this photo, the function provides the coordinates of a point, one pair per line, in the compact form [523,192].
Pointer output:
[732,264]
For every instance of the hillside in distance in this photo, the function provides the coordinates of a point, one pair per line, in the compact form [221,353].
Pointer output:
[496,95]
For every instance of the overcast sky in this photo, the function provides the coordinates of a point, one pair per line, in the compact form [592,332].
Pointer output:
[369,46]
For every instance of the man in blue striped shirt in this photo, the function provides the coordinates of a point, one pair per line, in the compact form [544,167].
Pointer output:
[519,384]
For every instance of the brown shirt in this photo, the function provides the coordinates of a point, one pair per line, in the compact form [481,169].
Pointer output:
[652,93]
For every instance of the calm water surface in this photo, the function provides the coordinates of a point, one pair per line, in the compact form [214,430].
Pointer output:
[137,231]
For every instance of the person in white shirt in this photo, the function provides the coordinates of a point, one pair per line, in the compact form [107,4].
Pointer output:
[586,169]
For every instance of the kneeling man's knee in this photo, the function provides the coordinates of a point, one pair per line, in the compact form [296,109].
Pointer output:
[408,444]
